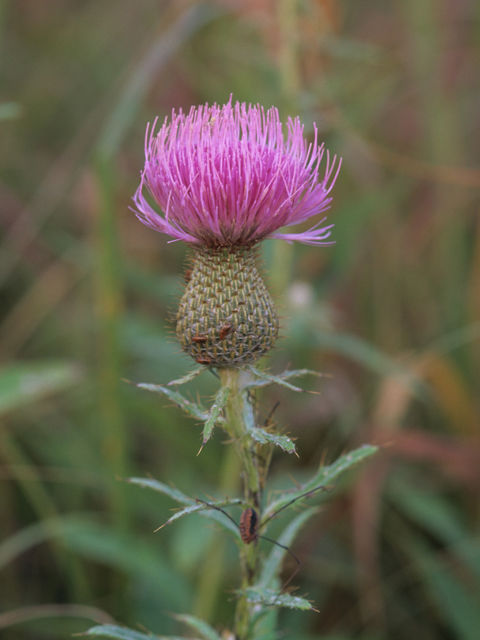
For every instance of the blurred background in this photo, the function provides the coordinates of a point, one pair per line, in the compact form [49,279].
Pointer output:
[392,312]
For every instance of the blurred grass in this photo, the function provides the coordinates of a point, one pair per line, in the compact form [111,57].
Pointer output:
[392,311]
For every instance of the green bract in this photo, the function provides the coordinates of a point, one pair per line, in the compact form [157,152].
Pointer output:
[226,315]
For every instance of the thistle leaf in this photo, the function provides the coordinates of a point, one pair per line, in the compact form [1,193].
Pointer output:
[219,403]
[187,378]
[214,513]
[265,437]
[268,597]
[192,408]
[224,521]
[267,379]
[183,512]
[200,626]
[211,510]
[321,480]
[172,492]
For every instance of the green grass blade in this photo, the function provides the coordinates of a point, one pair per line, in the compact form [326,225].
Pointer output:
[29,537]
[139,559]
[456,603]
[159,54]
[436,515]
[23,383]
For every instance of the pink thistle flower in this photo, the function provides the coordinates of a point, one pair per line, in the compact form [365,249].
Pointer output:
[226,176]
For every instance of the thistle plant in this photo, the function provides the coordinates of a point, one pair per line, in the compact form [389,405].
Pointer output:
[227,178]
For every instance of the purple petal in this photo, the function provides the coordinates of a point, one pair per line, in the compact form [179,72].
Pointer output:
[228,175]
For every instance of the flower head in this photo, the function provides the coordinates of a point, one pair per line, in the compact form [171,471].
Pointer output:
[227,176]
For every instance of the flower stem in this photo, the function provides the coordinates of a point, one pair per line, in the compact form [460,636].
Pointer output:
[237,412]
[239,416]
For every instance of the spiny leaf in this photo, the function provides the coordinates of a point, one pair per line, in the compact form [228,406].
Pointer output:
[206,512]
[193,505]
[268,597]
[265,437]
[222,520]
[187,378]
[202,506]
[220,401]
[172,492]
[321,480]
[182,512]
[267,379]
[200,626]
[192,408]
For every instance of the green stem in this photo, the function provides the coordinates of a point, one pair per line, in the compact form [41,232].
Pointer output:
[236,412]
[239,415]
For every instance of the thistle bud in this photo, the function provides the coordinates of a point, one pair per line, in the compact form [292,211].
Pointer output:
[226,316]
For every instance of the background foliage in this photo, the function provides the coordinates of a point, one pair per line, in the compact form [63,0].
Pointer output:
[392,312]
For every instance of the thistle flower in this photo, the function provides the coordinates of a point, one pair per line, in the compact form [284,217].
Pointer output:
[226,176]
[226,179]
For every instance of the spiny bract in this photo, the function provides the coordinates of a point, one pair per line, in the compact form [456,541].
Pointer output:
[226,316]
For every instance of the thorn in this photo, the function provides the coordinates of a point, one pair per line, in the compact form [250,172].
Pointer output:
[200,450]
[161,527]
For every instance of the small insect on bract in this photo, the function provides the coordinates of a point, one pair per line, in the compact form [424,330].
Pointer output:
[225,330]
